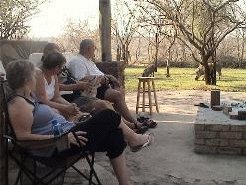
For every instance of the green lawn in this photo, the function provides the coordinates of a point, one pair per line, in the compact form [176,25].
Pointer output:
[183,78]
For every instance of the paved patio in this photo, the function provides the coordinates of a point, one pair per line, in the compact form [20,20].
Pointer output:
[171,159]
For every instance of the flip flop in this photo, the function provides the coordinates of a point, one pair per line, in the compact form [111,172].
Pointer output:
[147,143]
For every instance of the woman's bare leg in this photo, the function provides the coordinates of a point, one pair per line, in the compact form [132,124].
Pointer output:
[120,169]
[131,137]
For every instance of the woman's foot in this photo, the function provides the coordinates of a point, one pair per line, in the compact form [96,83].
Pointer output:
[141,142]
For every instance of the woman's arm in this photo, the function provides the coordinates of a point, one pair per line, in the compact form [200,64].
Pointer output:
[57,102]
[78,85]
[21,118]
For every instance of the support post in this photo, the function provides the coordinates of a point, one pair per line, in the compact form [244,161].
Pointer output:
[105,30]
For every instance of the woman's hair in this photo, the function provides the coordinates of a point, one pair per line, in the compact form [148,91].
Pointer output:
[84,44]
[17,72]
[53,60]
[50,48]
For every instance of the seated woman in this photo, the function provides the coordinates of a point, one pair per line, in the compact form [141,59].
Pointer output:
[47,89]
[104,132]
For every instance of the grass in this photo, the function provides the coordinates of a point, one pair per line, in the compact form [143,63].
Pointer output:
[183,78]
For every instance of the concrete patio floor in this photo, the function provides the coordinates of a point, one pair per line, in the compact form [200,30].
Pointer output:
[171,159]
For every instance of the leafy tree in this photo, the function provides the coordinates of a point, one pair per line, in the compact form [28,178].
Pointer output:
[14,16]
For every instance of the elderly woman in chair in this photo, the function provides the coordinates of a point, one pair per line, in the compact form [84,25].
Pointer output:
[104,132]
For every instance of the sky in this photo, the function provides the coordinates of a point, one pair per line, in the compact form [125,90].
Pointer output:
[54,15]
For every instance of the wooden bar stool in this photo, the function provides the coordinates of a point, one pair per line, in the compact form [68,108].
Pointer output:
[146,89]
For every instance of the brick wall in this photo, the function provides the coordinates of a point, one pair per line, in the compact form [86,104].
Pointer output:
[225,137]
[115,68]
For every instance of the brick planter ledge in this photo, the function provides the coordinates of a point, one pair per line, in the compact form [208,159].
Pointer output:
[216,133]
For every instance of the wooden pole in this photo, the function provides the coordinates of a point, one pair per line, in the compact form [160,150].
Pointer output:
[105,30]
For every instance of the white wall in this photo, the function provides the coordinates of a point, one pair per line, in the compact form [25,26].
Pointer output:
[35,58]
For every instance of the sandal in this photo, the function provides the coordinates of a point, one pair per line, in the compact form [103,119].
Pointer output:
[147,143]
[140,129]
[142,119]
[150,123]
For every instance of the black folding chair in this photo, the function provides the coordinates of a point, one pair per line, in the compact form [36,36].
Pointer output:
[39,169]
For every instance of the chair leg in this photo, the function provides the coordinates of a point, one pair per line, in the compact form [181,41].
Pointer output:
[150,98]
[31,176]
[92,170]
[138,96]
[156,102]
[144,86]
[18,177]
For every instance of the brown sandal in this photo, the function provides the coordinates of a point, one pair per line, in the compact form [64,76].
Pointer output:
[140,129]
[150,123]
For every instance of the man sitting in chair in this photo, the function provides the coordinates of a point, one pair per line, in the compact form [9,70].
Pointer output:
[83,68]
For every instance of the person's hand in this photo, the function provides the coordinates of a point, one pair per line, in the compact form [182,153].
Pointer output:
[72,109]
[113,81]
[83,140]
[87,86]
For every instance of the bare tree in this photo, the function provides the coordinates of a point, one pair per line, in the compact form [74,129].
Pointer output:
[124,26]
[201,25]
[241,40]
[14,17]
[162,31]
[74,32]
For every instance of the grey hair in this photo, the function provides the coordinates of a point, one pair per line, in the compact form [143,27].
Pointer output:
[84,44]
[17,72]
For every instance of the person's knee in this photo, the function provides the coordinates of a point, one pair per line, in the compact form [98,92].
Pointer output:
[114,95]
[100,105]
[108,117]
[116,144]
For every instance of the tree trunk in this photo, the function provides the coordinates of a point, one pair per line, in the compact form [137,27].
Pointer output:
[207,72]
[168,71]
[213,73]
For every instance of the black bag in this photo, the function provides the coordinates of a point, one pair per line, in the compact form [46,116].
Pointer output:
[69,79]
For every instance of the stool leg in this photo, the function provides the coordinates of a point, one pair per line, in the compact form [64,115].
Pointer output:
[156,104]
[150,98]
[138,96]
[144,85]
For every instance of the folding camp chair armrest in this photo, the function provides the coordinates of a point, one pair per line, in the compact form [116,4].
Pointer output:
[60,141]
[8,137]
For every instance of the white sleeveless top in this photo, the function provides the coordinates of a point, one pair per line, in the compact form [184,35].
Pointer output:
[50,88]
